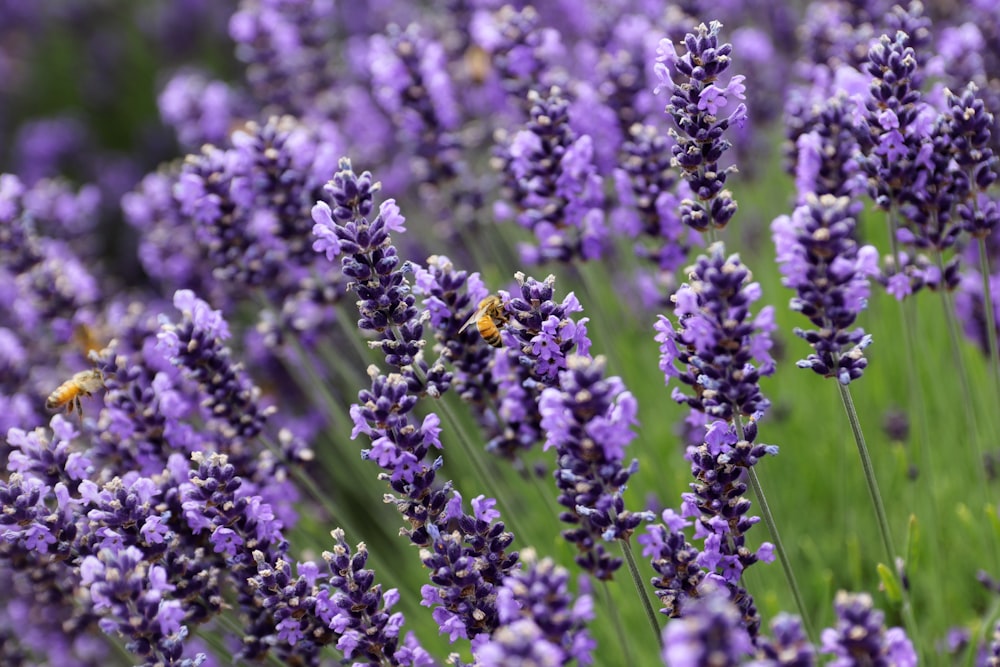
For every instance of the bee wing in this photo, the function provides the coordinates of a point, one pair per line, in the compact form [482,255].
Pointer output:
[480,312]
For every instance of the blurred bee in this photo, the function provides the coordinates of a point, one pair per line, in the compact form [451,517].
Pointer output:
[68,394]
[488,317]
[85,338]
[477,64]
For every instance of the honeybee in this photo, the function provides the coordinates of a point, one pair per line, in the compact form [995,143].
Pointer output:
[86,339]
[68,394]
[477,64]
[488,317]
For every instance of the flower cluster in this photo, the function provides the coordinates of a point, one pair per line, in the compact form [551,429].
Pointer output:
[411,83]
[237,218]
[544,332]
[861,636]
[540,622]
[466,555]
[650,196]
[717,340]
[345,606]
[709,631]
[697,97]
[520,49]
[289,54]
[820,259]
[675,561]
[551,184]
[588,419]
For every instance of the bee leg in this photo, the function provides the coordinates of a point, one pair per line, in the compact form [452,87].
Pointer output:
[79,408]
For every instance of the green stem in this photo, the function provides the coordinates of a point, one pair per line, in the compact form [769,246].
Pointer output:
[915,394]
[779,547]
[485,476]
[612,608]
[956,353]
[876,498]
[640,590]
[988,310]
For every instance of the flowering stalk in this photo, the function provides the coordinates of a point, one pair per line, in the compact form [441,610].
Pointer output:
[551,185]
[696,97]
[540,622]
[715,345]
[466,554]
[820,259]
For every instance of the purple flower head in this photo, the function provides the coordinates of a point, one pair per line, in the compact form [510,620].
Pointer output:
[201,111]
[709,631]
[860,635]
[342,606]
[789,647]
[697,98]
[411,83]
[539,619]
[675,561]
[520,49]
[132,598]
[969,131]
[195,346]
[451,297]
[820,259]
[289,51]
[466,554]
[544,331]
[550,179]
[370,260]
[717,339]
[588,419]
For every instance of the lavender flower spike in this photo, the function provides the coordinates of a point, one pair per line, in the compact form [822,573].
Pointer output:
[709,632]
[696,99]
[716,339]
[860,637]
[822,262]
[540,622]
[589,420]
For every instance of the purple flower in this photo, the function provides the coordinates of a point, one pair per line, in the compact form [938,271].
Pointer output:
[411,82]
[539,620]
[675,561]
[588,419]
[465,554]
[520,49]
[789,647]
[201,111]
[717,341]
[709,631]
[132,598]
[696,99]
[820,259]
[860,635]
[648,188]
[545,333]
[551,181]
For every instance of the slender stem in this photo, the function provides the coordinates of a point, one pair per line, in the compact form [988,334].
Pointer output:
[956,353]
[915,393]
[779,547]
[866,464]
[612,608]
[989,311]
[640,590]
[876,498]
